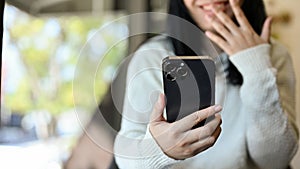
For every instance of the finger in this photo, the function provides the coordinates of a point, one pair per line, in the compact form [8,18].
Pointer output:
[239,15]
[157,112]
[226,20]
[220,28]
[206,143]
[218,40]
[266,31]
[204,131]
[191,120]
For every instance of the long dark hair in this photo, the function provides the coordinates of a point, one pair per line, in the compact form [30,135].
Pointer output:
[254,11]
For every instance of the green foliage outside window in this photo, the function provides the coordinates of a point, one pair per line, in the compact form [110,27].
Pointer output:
[48,49]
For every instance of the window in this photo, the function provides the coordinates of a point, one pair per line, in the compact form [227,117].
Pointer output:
[42,59]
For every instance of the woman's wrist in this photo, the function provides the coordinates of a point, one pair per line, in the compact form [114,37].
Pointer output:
[252,60]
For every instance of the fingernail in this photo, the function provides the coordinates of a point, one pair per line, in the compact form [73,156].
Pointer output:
[207,33]
[217,114]
[161,99]
[271,19]
[218,108]
[158,101]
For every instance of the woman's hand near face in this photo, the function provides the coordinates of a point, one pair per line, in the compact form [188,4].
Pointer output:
[233,38]
[178,140]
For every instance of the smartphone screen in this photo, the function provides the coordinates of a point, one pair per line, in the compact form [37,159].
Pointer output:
[189,85]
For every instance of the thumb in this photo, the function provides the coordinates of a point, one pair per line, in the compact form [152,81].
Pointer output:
[157,112]
[266,31]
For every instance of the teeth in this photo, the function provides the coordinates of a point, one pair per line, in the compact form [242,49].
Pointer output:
[216,5]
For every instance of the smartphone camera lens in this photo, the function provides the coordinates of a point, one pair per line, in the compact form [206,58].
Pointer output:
[171,76]
[182,71]
[169,67]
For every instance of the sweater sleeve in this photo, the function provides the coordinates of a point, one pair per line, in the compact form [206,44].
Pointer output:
[268,98]
[134,147]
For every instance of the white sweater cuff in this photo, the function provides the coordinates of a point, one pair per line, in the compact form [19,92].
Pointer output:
[157,158]
[252,60]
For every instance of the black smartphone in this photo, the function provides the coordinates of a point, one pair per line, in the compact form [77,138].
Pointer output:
[189,85]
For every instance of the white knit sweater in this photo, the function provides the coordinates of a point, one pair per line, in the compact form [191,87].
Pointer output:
[258,129]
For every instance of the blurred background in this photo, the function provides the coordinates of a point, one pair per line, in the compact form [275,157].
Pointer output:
[40,127]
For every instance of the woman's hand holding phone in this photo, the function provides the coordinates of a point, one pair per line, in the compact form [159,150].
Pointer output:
[179,140]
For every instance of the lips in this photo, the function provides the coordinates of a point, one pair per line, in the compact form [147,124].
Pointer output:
[221,5]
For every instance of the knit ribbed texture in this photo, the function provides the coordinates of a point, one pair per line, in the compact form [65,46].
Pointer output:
[258,118]
[251,60]
[151,149]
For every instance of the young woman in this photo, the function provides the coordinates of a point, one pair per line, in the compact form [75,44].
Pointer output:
[258,113]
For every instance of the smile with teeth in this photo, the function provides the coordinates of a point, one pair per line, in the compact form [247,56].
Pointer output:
[218,5]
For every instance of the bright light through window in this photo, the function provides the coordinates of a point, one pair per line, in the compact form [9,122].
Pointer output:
[40,54]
